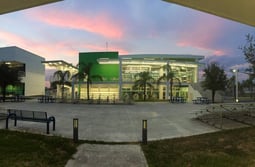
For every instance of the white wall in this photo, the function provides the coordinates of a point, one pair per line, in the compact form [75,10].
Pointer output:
[35,70]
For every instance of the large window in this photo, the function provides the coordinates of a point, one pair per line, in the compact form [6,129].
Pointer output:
[18,89]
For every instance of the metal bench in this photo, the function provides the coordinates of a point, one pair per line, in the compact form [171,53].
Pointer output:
[33,116]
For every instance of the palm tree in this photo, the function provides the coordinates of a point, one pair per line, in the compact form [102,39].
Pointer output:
[79,76]
[144,80]
[85,73]
[8,76]
[169,76]
[61,78]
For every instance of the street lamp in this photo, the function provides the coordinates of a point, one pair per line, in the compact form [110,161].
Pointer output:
[235,71]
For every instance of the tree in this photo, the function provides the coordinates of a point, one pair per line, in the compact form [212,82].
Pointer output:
[8,76]
[61,78]
[85,73]
[249,53]
[248,84]
[169,77]
[249,50]
[215,78]
[144,80]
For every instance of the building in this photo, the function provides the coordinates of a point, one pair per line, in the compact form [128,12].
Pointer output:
[31,70]
[60,65]
[119,74]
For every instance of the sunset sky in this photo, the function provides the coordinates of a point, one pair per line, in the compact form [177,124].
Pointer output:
[61,30]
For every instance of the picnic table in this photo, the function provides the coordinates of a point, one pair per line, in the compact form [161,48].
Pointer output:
[16,98]
[201,100]
[177,100]
[46,99]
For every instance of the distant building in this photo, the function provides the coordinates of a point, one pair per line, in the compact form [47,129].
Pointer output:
[118,73]
[59,65]
[31,70]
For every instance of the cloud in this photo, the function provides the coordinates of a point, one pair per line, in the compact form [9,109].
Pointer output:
[100,24]
[11,39]
[202,34]
[66,50]
[101,48]
[48,50]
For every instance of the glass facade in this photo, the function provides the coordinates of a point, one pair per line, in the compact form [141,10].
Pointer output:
[184,73]
[119,74]
[15,88]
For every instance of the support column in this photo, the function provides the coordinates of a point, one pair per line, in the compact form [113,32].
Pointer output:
[120,78]
[72,89]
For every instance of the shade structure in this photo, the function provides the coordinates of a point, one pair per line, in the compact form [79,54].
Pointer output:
[238,10]
[7,6]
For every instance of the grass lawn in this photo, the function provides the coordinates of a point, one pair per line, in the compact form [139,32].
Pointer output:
[33,150]
[229,148]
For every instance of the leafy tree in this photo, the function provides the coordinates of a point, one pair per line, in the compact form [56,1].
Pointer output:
[249,53]
[249,50]
[249,85]
[61,78]
[144,80]
[85,73]
[169,77]
[215,78]
[8,76]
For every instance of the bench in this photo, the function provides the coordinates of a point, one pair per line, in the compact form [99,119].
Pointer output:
[33,116]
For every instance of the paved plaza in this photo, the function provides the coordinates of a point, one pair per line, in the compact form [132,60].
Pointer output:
[113,123]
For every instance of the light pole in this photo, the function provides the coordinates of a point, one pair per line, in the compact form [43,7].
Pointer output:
[235,71]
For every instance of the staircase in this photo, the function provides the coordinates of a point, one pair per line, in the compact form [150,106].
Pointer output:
[195,90]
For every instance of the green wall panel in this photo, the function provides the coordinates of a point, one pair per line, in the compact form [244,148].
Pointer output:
[109,72]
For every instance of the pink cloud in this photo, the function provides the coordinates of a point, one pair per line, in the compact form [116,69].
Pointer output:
[202,34]
[51,50]
[100,24]
[202,47]
[11,39]
[47,50]
[219,52]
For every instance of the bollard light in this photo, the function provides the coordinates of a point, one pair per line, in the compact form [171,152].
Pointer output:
[75,129]
[144,131]
[235,71]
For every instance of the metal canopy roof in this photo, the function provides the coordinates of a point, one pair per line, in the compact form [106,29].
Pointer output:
[161,56]
[238,10]
[7,6]
[59,63]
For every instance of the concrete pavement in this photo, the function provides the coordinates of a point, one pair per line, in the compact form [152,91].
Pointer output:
[114,123]
[91,155]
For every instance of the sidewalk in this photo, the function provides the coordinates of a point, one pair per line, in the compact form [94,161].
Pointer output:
[90,155]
